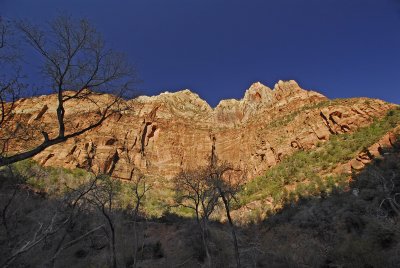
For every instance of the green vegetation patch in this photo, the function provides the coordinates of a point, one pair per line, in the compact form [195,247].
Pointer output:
[57,181]
[50,180]
[302,169]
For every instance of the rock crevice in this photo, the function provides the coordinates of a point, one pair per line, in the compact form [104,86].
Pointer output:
[162,135]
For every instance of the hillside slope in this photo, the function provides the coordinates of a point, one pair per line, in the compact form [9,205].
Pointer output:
[320,170]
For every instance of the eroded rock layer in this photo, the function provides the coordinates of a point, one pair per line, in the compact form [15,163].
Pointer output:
[164,134]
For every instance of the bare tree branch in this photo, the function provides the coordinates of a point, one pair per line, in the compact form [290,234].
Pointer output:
[78,66]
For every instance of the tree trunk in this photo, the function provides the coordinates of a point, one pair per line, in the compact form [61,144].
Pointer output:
[228,215]
[136,234]
[204,239]
[111,225]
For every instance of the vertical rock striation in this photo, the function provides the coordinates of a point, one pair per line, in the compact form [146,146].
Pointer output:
[162,135]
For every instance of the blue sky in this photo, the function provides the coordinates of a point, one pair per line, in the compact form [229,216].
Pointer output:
[217,48]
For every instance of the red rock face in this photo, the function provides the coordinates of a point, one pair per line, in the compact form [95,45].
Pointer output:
[164,134]
[367,155]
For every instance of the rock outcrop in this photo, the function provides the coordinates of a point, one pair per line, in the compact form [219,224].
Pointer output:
[164,134]
[368,154]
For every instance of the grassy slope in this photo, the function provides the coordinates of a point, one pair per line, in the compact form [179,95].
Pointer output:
[54,182]
[305,166]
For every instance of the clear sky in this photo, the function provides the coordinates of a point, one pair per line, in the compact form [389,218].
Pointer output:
[218,48]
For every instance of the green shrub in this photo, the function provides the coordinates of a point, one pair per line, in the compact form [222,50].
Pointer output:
[305,165]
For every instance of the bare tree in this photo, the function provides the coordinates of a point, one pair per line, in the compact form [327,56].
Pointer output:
[44,230]
[194,191]
[75,205]
[54,226]
[77,66]
[201,190]
[388,190]
[10,78]
[221,178]
[140,187]
[102,198]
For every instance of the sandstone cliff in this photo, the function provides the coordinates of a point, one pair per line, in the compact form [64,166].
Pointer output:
[161,135]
